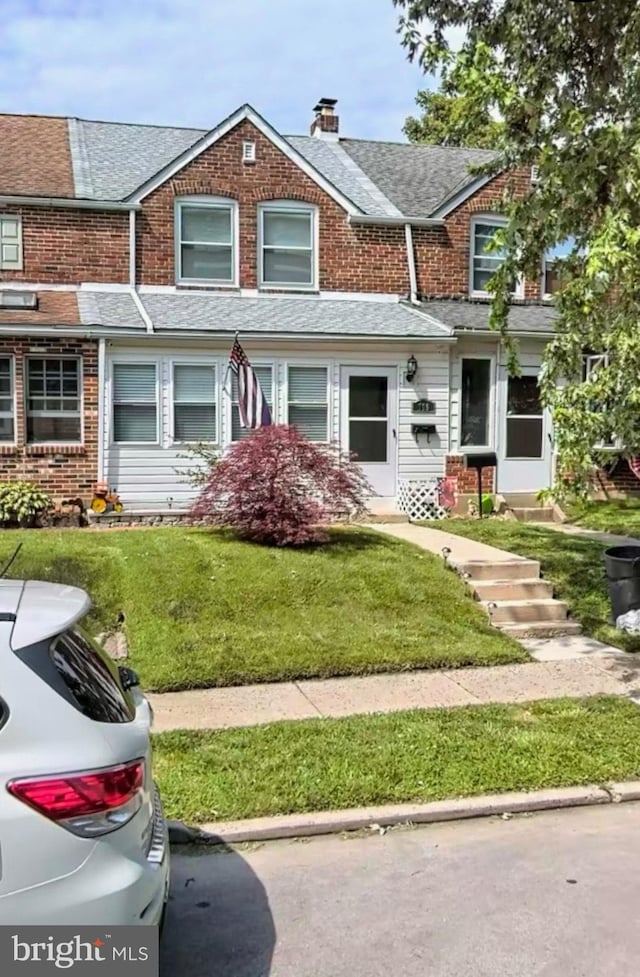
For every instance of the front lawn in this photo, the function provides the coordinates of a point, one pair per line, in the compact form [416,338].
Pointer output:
[618,516]
[321,764]
[202,609]
[574,564]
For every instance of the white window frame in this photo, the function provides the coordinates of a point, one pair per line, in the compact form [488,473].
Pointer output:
[14,409]
[319,364]
[134,361]
[471,448]
[216,203]
[497,221]
[591,362]
[292,206]
[229,401]
[80,412]
[192,361]
[12,265]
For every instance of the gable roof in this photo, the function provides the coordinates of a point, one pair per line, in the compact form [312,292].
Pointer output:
[119,162]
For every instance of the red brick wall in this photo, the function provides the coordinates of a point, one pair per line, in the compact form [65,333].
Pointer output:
[66,470]
[64,246]
[468,477]
[442,254]
[617,479]
[363,259]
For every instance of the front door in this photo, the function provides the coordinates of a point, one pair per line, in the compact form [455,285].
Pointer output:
[524,458]
[368,423]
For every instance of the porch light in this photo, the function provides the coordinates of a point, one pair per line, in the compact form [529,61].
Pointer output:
[412,369]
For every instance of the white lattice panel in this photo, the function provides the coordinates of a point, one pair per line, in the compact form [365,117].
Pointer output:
[420,500]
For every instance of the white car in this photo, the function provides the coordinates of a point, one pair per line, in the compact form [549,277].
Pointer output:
[82,835]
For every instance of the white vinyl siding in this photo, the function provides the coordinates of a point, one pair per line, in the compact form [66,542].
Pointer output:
[10,242]
[287,246]
[206,241]
[308,401]
[7,400]
[152,475]
[135,403]
[53,388]
[264,375]
[195,412]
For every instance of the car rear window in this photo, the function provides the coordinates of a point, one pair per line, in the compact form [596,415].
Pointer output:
[91,678]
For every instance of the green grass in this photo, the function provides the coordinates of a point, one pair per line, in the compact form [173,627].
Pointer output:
[618,516]
[321,764]
[574,564]
[202,609]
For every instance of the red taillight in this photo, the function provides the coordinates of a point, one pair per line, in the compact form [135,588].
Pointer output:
[81,794]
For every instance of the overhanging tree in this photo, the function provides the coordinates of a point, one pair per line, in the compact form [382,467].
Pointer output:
[565,78]
[451,120]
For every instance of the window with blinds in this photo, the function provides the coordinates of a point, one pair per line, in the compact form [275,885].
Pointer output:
[264,375]
[135,403]
[308,406]
[194,402]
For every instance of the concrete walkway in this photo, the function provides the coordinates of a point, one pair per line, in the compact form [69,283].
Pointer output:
[461,550]
[610,539]
[255,705]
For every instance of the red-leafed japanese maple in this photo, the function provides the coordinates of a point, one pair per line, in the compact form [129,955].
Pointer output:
[275,487]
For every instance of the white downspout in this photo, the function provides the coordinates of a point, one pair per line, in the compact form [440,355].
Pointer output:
[102,383]
[411,262]
[137,301]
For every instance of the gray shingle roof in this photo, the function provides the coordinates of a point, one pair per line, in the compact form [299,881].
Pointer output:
[112,159]
[415,178]
[114,309]
[470,316]
[200,312]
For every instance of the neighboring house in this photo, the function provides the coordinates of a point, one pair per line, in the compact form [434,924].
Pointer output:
[130,256]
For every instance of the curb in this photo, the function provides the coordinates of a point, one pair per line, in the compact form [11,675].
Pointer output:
[356,819]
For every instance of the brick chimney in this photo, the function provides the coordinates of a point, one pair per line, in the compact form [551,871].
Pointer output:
[326,124]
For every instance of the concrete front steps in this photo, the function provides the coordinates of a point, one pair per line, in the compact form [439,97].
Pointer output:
[517,600]
[525,507]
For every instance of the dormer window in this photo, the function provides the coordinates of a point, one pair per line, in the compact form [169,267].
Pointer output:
[206,241]
[288,252]
[485,257]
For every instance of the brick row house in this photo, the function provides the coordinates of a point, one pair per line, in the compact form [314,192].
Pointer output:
[354,271]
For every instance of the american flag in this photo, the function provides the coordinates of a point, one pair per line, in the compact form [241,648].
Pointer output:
[253,408]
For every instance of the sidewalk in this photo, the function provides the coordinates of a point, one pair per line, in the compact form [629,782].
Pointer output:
[256,705]
[461,550]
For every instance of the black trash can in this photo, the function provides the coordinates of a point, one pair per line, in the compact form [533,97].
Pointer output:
[623,577]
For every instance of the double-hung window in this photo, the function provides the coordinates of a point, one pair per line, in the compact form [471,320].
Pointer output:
[486,257]
[54,400]
[308,407]
[206,242]
[287,251]
[135,403]
[264,376]
[195,413]
[7,400]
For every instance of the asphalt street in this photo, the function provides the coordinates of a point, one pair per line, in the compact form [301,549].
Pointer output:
[552,895]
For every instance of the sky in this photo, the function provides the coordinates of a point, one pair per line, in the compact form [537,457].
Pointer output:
[192,62]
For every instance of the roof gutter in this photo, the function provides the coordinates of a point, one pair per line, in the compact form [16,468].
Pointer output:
[133,285]
[188,334]
[68,202]
[66,332]
[400,221]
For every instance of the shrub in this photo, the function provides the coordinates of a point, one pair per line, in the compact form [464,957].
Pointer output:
[22,502]
[203,457]
[276,487]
